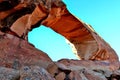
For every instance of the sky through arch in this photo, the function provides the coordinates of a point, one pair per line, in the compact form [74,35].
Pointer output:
[103,15]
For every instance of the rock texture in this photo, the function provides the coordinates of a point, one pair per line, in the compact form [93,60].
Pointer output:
[22,16]
[15,52]
[20,60]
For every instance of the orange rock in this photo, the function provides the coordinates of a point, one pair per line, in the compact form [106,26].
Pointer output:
[86,43]
[22,25]
[52,69]
[60,76]
[99,60]
[74,75]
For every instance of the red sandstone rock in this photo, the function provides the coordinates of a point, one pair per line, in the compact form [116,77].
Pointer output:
[87,64]
[74,75]
[15,52]
[18,17]
[60,76]
[87,44]
[53,69]
[94,75]
[23,24]
[34,73]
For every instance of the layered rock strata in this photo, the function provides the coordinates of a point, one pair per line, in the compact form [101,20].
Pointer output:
[20,60]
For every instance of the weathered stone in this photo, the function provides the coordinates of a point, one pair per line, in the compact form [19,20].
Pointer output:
[52,69]
[74,75]
[28,14]
[87,43]
[16,52]
[90,75]
[60,76]
[115,75]
[88,64]
[117,72]
[106,73]
[23,24]
[86,75]
[9,74]
[20,60]
[34,73]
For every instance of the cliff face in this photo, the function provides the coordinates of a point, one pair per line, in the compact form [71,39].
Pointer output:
[20,60]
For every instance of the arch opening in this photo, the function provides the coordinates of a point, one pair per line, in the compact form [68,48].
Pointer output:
[50,42]
[87,43]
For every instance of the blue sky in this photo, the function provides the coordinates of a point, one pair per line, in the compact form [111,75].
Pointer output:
[103,15]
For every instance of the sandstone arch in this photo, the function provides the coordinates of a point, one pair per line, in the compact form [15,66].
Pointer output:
[28,14]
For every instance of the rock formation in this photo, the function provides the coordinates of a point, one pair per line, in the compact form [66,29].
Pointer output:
[20,60]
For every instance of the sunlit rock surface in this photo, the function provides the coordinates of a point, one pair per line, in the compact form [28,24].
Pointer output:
[20,60]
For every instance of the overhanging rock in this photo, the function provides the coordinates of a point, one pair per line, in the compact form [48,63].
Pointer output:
[18,17]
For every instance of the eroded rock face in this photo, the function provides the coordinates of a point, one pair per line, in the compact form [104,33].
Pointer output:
[20,60]
[16,52]
[24,15]
[62,70]
[9,74]
[34,73]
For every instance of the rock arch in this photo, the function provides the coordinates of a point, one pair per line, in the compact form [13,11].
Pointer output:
[25,15]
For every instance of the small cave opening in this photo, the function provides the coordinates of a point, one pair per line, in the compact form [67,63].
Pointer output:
[50,42]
